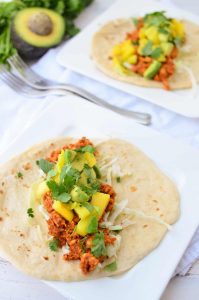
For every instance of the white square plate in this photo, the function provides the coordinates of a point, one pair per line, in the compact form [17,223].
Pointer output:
[147,280]
[75,55]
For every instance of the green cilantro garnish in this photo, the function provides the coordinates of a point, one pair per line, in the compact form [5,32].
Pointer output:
[88,206]
[30,212]
[53,245]
[58,191]
[68,171]
[147,50]
[93,225]
[51,174]
[177,41]
[92,189]
[64,197]
[45,165]
[87,148]
[156,52]
[98,247]
[111,267]
[157,19]
[19,175]
[118,179]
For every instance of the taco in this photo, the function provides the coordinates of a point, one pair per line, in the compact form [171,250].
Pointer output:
[152,51]
[76,210]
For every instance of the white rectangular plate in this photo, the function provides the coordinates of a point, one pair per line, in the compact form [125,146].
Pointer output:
[147,280]
[75,55]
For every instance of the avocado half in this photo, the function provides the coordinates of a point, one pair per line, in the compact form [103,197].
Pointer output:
[35,30]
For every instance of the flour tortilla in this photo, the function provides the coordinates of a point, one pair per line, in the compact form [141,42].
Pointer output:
[25,243]
[114,32]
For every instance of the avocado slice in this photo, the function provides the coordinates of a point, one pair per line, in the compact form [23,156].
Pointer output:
[78,195]
[167,48]
[35,30]
[152,70]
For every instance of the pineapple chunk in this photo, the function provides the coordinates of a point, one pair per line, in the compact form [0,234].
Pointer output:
[90,158]
[82,226]
[142,33]
[41,189]
[100,200]
[116,50]
[152,34]
[60,162]
[82,212]
[177,28]
[132,59]
[64,210]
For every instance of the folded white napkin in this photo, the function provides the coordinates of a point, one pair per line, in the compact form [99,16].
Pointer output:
[17,113]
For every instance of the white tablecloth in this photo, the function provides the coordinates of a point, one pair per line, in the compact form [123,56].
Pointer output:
[17,113]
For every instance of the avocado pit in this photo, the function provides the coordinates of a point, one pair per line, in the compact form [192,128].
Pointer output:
[40,23]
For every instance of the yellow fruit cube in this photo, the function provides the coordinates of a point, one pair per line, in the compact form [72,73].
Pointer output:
[132,59]
[152,34]
[90,158]
[101,201]
[82,226]
[142,33]
[177,28]
[82,212]
[161,58]
[64,210]
[116,50]
[60,162]
[41,189]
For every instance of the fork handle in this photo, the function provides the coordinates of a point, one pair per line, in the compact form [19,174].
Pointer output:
[142,118]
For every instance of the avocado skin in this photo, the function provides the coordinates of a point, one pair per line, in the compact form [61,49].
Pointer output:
[24,49]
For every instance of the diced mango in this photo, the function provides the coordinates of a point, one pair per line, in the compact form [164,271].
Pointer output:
[101,201]
[90,158]
[161,58]
[177,29]
[132,59]
[152,34]
[82,212]
[64,210]
[142,33]
[60,162]
[41,189]
[116,50]
[82,226]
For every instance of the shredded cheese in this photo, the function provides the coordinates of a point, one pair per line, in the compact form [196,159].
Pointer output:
[43,212]
[141,214]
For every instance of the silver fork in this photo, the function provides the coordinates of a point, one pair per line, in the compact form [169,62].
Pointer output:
[37,82]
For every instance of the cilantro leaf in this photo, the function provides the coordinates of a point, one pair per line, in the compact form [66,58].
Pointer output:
[156,19]
[45,165]
[147,50]
[20,175]
[51,174]
[64,197]
[67,170]
[177,41]
[88,206]
[118,179]
[111,267]
[53,245]
[93,225]
[156,52]
[87,148]
[54,188]
[98,246]
[92,189]
[30,212]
